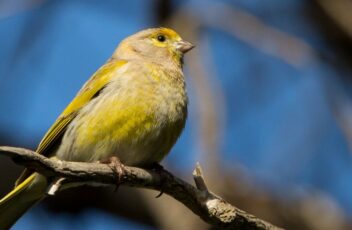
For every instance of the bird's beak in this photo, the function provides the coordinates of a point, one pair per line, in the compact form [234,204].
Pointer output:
[184,46]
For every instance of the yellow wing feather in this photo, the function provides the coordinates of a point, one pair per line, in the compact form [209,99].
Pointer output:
[92,87]
[88,91]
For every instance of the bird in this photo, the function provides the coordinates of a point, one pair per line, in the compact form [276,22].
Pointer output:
[133,109]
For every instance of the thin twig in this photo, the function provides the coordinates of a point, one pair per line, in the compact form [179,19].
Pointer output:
[199,179]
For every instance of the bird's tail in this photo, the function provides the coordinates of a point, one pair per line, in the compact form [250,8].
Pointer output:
[20,199]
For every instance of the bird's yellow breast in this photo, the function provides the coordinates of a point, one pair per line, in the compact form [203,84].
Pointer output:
[137,117]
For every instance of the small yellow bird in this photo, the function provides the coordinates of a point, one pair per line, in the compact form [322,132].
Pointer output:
[133,108]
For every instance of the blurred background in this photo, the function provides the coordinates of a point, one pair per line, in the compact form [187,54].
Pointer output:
[270,105]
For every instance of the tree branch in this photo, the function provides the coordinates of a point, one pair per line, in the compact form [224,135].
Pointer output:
[211,208]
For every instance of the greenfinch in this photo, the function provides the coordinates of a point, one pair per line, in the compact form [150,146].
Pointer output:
[133,108]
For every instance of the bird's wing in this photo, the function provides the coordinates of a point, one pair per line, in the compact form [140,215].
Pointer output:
[90,90]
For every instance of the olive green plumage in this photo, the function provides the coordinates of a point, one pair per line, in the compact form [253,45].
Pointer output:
[134,107]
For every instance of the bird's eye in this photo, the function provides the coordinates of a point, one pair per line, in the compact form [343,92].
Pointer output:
[161,38]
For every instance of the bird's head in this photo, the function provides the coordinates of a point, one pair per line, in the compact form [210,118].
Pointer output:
[160,45]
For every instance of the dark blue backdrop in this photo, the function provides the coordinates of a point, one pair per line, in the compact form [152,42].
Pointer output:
[278,125]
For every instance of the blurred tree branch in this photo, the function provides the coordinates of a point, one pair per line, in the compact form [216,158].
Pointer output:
[208,206]
[335,22]
[235,186]
[340,12]
[253,31]
[9,8]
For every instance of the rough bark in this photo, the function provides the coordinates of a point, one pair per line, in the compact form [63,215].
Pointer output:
[208,206]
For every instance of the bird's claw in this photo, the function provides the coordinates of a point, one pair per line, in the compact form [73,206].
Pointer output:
[119,169]
[156,167]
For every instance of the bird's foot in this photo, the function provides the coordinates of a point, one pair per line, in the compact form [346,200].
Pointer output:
[115,164]
[159,169]
[156,167]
